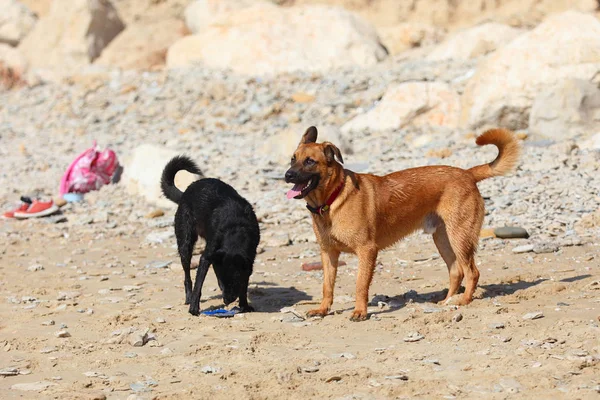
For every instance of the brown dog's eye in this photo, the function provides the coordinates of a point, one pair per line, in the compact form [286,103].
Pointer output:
[309,162]
[293,160]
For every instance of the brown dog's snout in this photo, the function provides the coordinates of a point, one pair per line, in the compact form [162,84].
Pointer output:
[290,175]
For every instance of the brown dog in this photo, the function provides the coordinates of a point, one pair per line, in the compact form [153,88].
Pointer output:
[364,213]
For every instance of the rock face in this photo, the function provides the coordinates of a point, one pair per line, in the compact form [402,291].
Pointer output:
[503,88]
[143,170]
[72,35]
[267,39]
[413,103]
[565,110]
[401,37]
[16,20]
[474,42]
[200,14]
[143,45]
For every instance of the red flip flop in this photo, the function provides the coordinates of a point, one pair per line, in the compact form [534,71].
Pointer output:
[37,209]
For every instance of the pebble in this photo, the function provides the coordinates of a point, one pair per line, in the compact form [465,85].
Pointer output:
[526,248]
[35,267]
[397,377]
[510,385]
[47,350]
[160,237]
[9,372]
[160,320]
[414,337]
[511,232]
[210,370]
[457,317]
[278,240]
[62,334]
[308,370]
[496,325]
[533,315]
[293,311]
[139,337]
[158,264]
[140,387]
[348,356]
[542,248]
[155,214]
[33,386]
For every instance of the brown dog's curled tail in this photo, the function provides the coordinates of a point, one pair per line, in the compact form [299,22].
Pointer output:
[508,154]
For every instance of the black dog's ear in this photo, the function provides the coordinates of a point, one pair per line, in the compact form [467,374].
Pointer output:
[332,151]
[310,136]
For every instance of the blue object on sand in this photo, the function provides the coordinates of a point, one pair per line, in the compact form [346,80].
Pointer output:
[222,313]
[72,197]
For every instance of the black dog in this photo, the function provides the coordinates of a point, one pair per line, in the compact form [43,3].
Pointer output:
[213,210]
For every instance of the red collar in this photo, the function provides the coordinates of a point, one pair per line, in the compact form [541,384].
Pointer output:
[325,207]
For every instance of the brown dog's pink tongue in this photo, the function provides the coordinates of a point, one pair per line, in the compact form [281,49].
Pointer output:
[295,191]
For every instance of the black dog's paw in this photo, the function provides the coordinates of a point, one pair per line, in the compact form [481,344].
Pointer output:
[194,310]
[246,308]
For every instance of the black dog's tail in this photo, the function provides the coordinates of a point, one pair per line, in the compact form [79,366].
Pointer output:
[167,181]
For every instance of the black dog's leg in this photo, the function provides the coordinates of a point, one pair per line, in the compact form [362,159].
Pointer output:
[186,239]
[243,297]
[197,292]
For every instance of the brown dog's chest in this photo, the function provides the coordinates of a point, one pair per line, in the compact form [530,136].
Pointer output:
[331,238]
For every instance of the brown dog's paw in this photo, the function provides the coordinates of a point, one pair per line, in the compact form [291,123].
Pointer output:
[456,300]
[358,316]
[464,300]
[450,301]
[316,313]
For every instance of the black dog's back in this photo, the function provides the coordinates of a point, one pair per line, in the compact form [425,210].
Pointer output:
[215,211]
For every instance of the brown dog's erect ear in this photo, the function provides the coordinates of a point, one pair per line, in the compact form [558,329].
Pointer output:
[310,136]
[332,151]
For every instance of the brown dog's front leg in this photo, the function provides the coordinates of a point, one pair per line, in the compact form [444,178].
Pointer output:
[329,259]
[367,256]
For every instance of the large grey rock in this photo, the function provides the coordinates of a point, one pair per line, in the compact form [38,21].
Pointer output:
[474,42]
[200,14]
[503,89]
[72,35]
[266,39]
[566,110]
[16,20]
[404,36]
[143,170]
[412,103]
[142,45]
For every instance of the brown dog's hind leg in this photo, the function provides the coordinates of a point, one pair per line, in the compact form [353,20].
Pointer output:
[329,259]
[464,240]
[440,238]
[367,256]
[471,279]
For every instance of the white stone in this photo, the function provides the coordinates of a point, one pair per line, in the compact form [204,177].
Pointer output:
[412,103]
[502,91]
[266,39]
